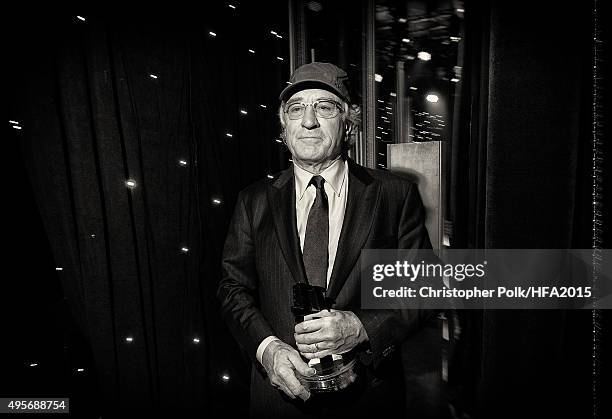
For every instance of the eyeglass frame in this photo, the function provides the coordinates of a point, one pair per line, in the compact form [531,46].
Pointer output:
[314,108]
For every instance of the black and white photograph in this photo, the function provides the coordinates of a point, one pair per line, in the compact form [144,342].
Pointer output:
[308,209]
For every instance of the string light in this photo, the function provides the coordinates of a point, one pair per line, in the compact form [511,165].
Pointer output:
[406,40]
[34,364]
[216,201]
[183,162]
[263,106]
[280,58]
[227,134]
[412,88]
[129,339]
[93,236]
[59,269]
[392,94]
[402,20]
[231,6]
[432,98]
[454,80]
[270,177]
[213,34]
[196,340]
[278,140]
[252,51]
[424,55]
[81,18]
[273,33]
[16,127]
[153,76]
[80,369]
[13,122]
[130,183]
[185,249]
[242,111]
[225,377]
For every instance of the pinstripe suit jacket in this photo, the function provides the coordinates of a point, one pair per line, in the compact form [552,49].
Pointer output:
[262,260]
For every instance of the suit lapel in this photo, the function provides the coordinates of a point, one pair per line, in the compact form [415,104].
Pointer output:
[281,198]
[361,205]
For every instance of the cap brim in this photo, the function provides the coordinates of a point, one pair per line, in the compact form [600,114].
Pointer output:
[310,84]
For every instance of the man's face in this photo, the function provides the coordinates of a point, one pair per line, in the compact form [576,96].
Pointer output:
[312,139]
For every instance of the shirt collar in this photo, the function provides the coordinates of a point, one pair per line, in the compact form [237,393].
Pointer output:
[334,175]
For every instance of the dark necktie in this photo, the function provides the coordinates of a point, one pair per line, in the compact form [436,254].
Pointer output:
[316,239]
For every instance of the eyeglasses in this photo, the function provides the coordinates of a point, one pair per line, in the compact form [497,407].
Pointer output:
[326,109]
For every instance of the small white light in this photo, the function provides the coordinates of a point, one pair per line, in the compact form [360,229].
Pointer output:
[130,183]
[227,134]
[273,32]
[93,236]
[213,34]
[392,94]
[270,177]
[279,58]
[80,369]
[225,377]
[16,127]
[380,101]
[432,98]
[291,160]
[278,140]
[196,340]
[216,201]
[263,106]
[252,51]
[455,38]
[378,77]
[388,108]
[460,10]
[59,269]
[153,76]
[380,138]
[424,55]
[183,162]
[231,6]
[454,80]
[242,111]
[185,249]
[402,20]
[406,40]
[81,18]
[13,122]
[288,82]
[129,339]
[34,364]
[279,37]
[412,88]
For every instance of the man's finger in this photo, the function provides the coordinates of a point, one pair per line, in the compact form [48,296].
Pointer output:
[322,313]
[308,326]
[311,338]
[321,354]
[302,367]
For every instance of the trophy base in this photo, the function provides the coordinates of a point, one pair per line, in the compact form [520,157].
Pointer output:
[341,376]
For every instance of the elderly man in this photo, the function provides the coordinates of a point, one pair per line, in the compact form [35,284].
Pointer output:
[308,225]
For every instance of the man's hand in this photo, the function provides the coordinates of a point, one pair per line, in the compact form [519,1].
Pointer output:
[281,361]
[331,332]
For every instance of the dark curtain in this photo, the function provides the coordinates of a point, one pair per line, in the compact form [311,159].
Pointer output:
[525,180]
[138,133]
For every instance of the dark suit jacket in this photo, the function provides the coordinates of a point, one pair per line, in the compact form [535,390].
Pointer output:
[262,260]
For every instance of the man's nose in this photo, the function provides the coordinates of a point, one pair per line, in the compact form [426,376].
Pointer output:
[309,120]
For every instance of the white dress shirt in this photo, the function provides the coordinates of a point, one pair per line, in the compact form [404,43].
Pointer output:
[336,188]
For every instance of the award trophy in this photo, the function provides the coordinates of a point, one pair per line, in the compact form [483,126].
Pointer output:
[333,372]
